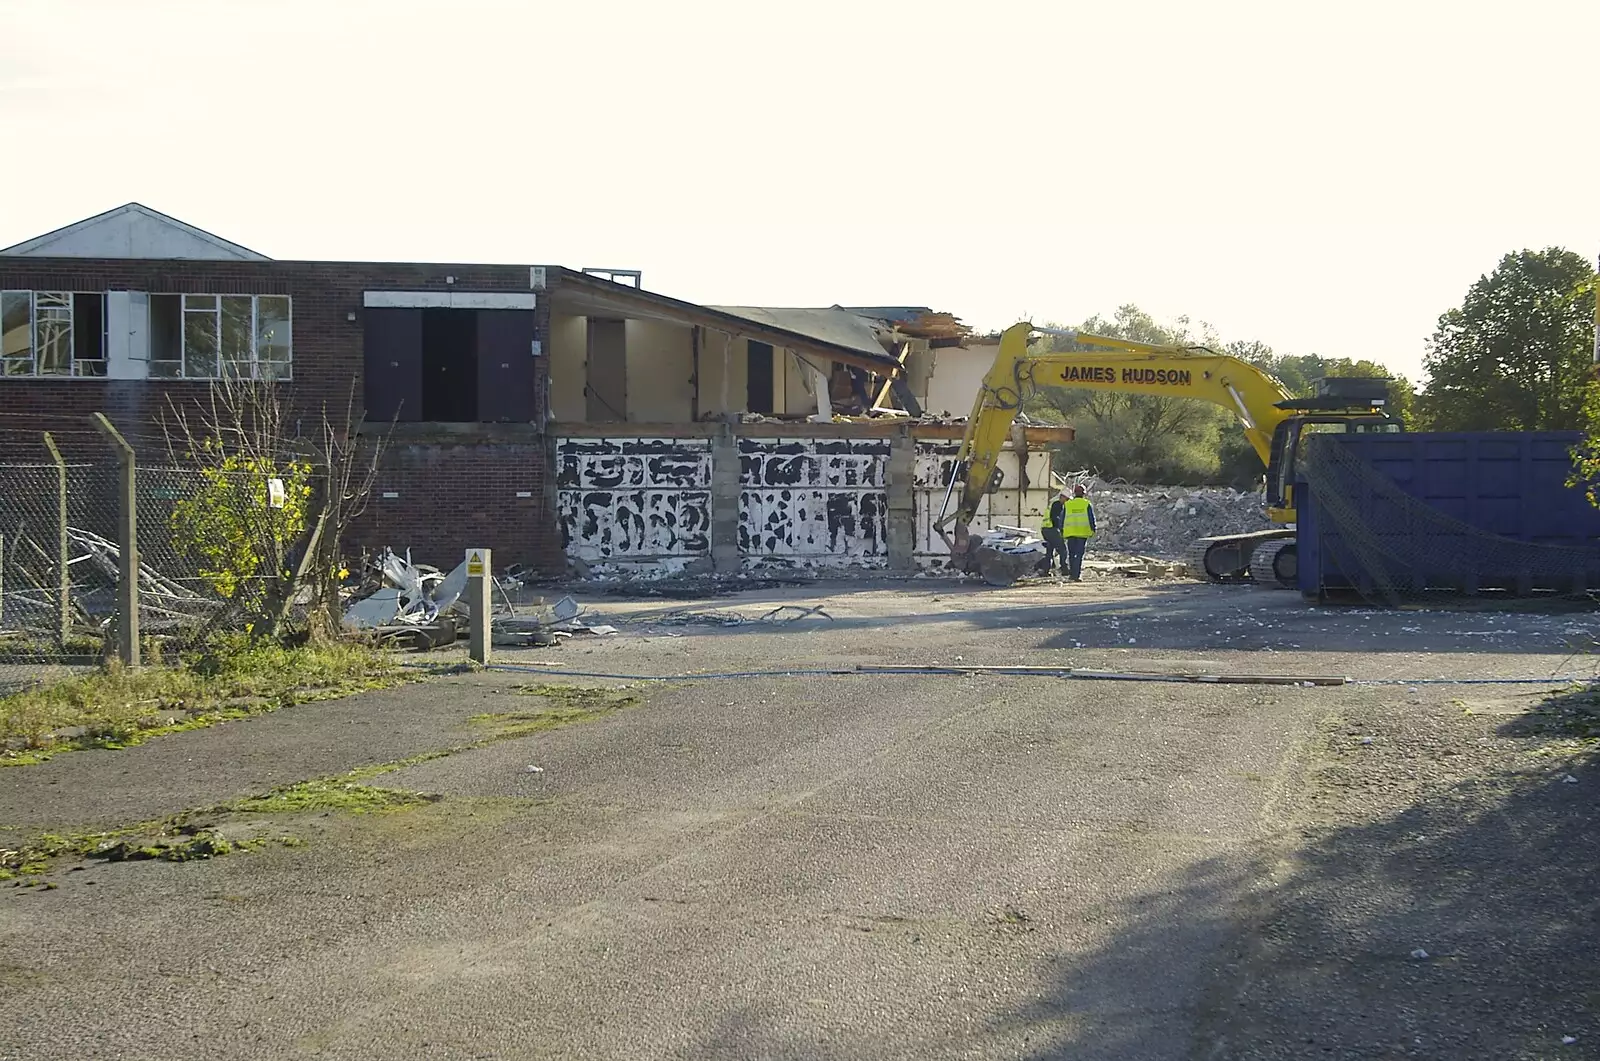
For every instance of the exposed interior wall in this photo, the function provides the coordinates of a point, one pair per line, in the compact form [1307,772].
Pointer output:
[569,338]
[660,370]
[722,373]
[956,375]
[794,398]
[919,366]
[606,371]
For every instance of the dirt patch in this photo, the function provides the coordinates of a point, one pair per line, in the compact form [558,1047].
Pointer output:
[1435,898]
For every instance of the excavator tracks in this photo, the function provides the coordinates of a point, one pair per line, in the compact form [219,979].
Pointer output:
[1275,564]
[1227,557]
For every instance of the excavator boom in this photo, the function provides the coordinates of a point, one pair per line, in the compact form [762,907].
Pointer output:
[1258,402]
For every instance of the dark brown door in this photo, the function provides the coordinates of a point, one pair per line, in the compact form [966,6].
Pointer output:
[507,369]
[392,359]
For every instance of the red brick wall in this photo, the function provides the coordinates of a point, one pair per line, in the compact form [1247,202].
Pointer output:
[453,494]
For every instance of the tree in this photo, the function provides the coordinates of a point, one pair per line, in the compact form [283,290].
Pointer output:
[1516,354]
[1183,440]
[1137,436]
[257,548]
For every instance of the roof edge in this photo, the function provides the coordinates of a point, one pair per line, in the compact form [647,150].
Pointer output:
[43,240]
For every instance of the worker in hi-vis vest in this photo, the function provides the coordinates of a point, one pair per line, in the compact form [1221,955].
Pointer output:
[1054,545]
[1077,527]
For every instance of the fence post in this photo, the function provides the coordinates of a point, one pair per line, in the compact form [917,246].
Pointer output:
[127,545]
[480,584]
[63,552]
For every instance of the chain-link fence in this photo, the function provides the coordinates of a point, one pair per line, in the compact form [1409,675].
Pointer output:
[213,546]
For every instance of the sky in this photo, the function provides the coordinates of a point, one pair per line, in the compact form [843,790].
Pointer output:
[1324,178]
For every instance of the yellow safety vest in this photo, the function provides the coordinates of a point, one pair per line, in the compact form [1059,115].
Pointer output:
[1075,519]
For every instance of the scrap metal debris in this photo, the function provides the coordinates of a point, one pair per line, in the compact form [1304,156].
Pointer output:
[31,604]
[421,607]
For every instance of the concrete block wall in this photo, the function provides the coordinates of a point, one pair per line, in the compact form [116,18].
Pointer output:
[732,501]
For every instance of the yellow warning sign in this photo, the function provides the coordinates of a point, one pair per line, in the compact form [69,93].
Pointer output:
[474,563]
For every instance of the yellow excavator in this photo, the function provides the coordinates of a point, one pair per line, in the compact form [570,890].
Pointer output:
[1274,422]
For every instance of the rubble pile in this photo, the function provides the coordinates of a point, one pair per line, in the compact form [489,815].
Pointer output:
[1164,521]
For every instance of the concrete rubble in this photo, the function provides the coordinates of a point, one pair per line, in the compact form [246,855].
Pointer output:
[1164,521]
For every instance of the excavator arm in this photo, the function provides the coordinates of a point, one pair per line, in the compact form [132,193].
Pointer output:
[1108,365]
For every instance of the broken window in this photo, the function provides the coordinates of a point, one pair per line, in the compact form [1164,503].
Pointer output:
[88,334]
[16,333]
[52,333]
[166,336]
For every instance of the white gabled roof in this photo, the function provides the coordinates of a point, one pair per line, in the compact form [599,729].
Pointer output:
[133,231]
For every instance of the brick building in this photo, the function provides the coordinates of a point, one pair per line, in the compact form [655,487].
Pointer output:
[126,311]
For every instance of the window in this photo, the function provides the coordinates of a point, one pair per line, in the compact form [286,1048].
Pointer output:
[64,333]
[212,336]
[52,333]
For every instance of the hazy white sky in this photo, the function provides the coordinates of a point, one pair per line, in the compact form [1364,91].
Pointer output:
[1322,177]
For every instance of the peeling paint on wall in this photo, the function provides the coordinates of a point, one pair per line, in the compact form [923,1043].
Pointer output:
[634,499]
[813,502]
[819,504]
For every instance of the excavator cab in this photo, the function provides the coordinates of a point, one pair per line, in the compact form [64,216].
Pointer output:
[1341,404]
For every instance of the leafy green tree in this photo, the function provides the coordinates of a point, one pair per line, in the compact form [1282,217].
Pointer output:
[1182,440]
[231,529]
[1516,354]
[1138,437]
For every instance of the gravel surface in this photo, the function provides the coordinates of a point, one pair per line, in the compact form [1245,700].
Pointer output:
[867,866]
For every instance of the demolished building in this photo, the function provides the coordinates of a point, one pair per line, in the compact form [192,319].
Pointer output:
[555,415]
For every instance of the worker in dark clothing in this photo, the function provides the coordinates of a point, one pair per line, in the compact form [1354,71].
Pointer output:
[1054,545]
[1077,527]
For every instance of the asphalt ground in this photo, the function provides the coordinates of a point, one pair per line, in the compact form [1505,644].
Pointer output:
[867,865]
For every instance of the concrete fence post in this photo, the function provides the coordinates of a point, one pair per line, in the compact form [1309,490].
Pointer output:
[63,615]
[725,559]
[480,588]
[127,544]
[901,489]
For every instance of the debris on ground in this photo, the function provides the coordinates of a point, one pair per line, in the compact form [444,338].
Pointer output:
[30,607]
[1005,554]
[420,607]
[1164,521]
[715,617]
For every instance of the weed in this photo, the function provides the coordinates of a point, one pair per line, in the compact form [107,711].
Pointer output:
[573,703]
[232,678]
[329,794]
[582,697]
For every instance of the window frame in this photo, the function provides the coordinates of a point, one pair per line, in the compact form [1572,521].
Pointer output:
[69,339]
[222,362]
[283,371]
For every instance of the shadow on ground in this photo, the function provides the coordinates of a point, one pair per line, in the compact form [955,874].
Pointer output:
[1461,838]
